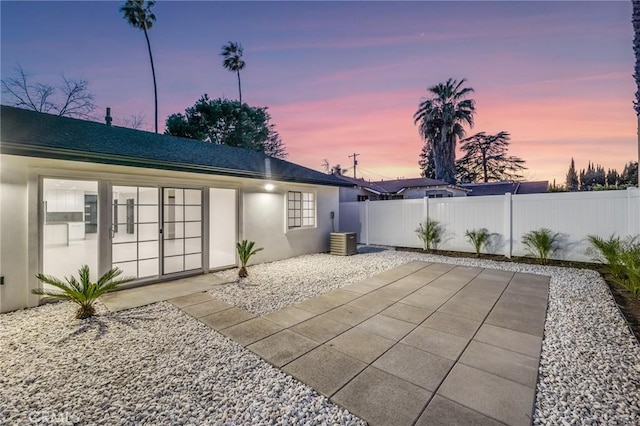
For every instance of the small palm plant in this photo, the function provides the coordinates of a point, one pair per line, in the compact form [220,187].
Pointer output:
[83,292]
[479,238]
[430,233]
[630,258]
[245,251]
[541,243]
[608,252]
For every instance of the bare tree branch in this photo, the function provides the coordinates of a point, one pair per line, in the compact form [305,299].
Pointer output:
[70,99]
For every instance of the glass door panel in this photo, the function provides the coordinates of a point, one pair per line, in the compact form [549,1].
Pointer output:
[70,232]
[135,241]
[182,230]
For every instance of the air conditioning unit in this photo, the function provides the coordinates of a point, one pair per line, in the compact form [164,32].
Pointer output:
[343,243]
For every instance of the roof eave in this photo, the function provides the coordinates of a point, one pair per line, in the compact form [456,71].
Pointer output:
[12,148]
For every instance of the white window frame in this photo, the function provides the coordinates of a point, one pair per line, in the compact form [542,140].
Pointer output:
[301,210]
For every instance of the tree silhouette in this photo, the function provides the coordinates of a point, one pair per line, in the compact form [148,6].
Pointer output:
[232,54]
[138,14]
[441,119]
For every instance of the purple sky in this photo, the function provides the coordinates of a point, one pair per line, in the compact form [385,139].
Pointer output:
[344,77]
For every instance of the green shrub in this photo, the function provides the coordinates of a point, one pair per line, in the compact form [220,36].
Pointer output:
[630,258]
[245,251]
[430,233]
[479,238]
[608,252]
[83,292]
[541,243]
[622,258]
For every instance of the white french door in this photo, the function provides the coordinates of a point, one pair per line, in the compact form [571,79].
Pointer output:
[181,230]
[156,231]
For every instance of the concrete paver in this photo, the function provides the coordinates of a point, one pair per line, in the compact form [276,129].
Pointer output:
[324,369]
[320,329]
[206,308]
[523,343]
[520,368]
[452,324]
[493,396]
[438,343]
[444,412]
[382,398]
[251,331]
[227,318]
[407,313]
[384,326]
[289,316]
[283,347]
[415,366]
[361,344]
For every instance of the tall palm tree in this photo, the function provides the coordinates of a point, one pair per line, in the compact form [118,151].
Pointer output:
[232,54]
[441,121]
[635,20]
[138,14]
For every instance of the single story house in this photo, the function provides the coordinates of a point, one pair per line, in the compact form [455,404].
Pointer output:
[398,189]
[75,192]
[501,188]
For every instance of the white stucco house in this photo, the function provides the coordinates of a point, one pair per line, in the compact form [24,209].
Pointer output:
[76,192]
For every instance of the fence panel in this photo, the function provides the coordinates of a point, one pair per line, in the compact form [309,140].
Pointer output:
[574,215]
[394,222]
[460,214]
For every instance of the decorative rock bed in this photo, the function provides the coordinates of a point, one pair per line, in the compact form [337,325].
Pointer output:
[157,365]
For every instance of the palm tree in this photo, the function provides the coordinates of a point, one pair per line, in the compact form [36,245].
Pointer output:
[635,20]
[138,14]
[232,54]
[441,119]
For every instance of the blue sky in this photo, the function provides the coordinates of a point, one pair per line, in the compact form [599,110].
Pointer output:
[344,77]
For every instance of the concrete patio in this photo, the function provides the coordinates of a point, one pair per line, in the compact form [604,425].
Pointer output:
[422,344]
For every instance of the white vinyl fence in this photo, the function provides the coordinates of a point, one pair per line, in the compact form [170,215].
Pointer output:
[573,214]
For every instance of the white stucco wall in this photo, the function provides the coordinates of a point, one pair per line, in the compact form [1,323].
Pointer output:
[264,217]
[261,215]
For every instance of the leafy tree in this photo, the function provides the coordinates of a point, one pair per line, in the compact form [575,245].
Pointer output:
[573,183]
[630,173]
[232,54]
[486,159]
[138,14]
[69,99]
[427,162]
[613,177]
[224,122]
[441,121]
[592,176]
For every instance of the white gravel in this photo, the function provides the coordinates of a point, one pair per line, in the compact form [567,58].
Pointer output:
[156,365]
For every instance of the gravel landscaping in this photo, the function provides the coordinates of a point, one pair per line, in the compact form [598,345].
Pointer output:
[156,365]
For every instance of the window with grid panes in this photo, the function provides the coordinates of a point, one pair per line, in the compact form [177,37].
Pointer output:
[301,209]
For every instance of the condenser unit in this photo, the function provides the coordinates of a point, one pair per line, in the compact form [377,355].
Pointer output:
[343,243]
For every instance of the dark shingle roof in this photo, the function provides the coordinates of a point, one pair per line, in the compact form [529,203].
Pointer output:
[36,134]
[393,186]
[501,188]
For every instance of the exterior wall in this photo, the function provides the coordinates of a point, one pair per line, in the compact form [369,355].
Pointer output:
[264,221]
[573,215]
[258,220]
[351,194]
[414,193]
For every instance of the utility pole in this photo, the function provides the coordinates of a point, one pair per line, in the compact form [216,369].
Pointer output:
[355,163]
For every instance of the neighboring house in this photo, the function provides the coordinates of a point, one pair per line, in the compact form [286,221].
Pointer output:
[501,188]
[76,192]
[362,190]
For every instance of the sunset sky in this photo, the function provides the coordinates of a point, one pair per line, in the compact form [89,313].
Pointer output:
[345,77]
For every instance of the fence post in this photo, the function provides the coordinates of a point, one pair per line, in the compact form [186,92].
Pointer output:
[631,217]
[425,208]
[508,225]
[366,221]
